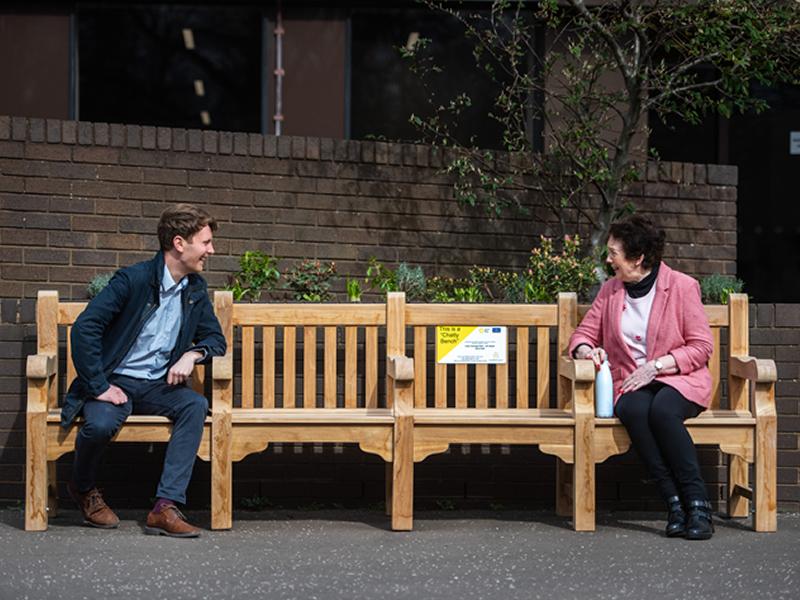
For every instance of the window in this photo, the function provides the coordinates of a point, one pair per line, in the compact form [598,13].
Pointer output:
[176,66]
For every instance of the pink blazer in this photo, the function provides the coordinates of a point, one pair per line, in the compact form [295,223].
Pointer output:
[678,326]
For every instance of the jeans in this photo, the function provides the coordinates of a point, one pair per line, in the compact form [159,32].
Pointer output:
[654,416]
[186,408]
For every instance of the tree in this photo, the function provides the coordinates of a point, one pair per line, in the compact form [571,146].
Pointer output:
[604,67]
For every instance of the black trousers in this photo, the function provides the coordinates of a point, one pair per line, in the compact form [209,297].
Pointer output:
[654,416]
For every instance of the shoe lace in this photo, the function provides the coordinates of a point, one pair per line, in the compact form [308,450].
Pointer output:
[94,501]
[177,511]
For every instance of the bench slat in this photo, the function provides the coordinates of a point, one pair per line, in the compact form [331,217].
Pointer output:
[248,367]
[501,385]
[320,416]
[523,355]
[481,386]
[309,366]
[289,373]
[542,367]
[330,367]
[350,367]
[714,369]
[461,386]
[474,314]
[310,314]
[440,384]
[268,367]
[420,367]
[493,416]
[371,367]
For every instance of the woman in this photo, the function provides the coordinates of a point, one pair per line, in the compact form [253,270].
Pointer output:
[649,322]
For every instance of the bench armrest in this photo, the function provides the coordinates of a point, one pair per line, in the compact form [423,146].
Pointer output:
[40,366]
[400,368]
[758,370]
[576,369]
[222,367]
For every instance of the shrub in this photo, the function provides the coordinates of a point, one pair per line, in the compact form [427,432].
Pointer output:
[550,273]
[354,291]
[310,281]
[257,273]
[410,280]
[97,284]
[380,277]
[716,288]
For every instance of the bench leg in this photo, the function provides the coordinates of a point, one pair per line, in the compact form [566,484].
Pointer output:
[36,473]
[766,466]
[221,472]
[402,500]
[738,475]
[52,489]
[389,476]
[563,488]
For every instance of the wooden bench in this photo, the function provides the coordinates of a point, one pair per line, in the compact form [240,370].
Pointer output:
[344,408]
[507,412]
[46,440]
[744,428]
[408,424]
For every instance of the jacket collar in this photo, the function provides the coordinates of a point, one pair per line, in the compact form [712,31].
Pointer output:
[157,267]
[617,302]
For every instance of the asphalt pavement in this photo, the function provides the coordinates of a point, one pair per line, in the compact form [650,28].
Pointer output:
[350,554]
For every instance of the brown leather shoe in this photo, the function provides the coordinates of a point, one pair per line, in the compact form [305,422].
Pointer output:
[95,511]
[170,521]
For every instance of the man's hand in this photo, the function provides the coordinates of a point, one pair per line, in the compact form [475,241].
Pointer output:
[182,369]
[114,395]
[639,378]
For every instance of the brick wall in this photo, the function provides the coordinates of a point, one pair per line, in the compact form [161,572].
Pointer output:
[77,199]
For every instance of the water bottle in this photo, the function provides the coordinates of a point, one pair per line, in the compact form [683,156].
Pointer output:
[604,392]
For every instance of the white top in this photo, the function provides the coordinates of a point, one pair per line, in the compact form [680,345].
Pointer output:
[635,316]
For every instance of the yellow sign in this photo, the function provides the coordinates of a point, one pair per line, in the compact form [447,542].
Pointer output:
[457,344]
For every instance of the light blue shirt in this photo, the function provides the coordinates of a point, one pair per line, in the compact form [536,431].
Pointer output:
[149,356]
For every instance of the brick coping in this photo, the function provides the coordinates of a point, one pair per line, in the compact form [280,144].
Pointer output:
[145,137]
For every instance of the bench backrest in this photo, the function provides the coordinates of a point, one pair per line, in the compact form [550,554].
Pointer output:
[304,355]
[481,386]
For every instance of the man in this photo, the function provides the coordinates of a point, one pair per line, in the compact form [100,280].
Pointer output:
[134,348]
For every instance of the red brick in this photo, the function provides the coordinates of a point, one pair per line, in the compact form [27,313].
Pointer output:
[67,239]
[46,256]
[11,184]
[100,189]
[12,149]
[94,223]
[128,208]
[116,173]
[19,128]
[24,273]
[95,154]
[102,134]
[119,241]
[209,179]
[210,142]
[22,237]
[5,128]
[165,176]
[148,137]
[47,152]
[94,258]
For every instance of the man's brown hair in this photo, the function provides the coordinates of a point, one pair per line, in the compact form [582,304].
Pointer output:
[184,220]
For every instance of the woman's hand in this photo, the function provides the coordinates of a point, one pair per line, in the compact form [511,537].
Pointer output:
[639,378]
[597,355]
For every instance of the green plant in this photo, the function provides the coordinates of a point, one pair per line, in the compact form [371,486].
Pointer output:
[450,289]
[354,290]
[380,277]
[256,503]
[97,284]
[716,288]
[310,281]
[550,273]
[410,280]
[257,273]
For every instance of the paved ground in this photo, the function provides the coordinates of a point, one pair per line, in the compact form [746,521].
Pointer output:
[351,554]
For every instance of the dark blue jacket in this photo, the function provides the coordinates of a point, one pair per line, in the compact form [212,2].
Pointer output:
[104,333]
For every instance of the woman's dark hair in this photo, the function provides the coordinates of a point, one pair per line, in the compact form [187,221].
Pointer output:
[639,236]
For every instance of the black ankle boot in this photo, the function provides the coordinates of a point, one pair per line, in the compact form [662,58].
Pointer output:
[699,525]
[676,518]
